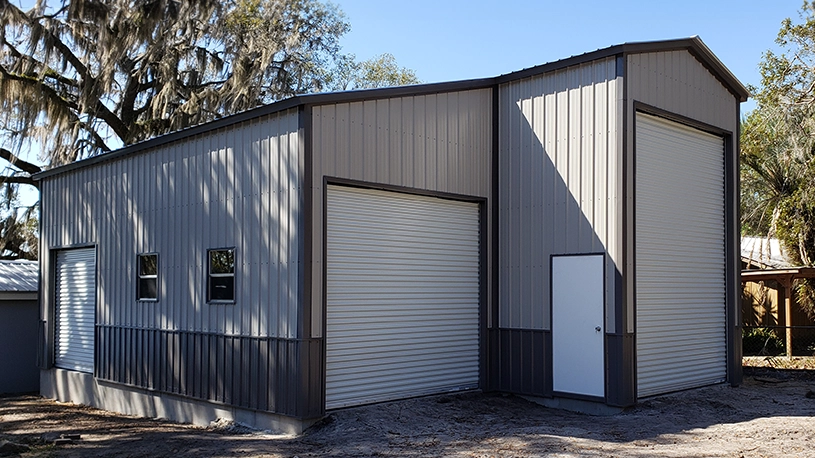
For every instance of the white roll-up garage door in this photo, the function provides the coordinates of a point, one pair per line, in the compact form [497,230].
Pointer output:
[402,296]
[75,309]
[680,257]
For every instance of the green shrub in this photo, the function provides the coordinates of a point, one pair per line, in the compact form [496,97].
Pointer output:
[761,341]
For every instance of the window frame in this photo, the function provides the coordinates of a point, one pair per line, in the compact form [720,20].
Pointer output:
[210,275]
[140,276]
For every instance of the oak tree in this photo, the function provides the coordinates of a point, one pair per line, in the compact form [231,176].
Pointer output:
[82,77]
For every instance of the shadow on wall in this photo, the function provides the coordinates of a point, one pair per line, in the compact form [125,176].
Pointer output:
[759,304]
[230,188]
[559,185]
[763,305]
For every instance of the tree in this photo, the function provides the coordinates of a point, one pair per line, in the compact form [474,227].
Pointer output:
[778,149]
[379,71]
[18,228]
[81,77]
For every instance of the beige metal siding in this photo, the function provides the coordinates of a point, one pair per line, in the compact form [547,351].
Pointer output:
[675,81]
[75,283]
[236,187]
[559,183]
[403,296]
[680,257]
[439,142]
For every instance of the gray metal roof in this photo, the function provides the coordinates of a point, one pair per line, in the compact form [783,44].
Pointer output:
[693,45]
[764,253]
[19,276]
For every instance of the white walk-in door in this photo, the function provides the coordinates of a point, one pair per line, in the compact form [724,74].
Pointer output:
[402,312]
[75,309]
[578,357]
[679,257]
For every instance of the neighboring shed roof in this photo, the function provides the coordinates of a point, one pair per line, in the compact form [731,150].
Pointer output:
[693,45]
[764,253]
[19,276]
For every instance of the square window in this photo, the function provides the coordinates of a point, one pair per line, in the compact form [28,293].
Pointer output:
[147,289]
[221,275]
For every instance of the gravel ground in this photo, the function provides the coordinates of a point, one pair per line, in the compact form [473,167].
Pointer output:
[770,415]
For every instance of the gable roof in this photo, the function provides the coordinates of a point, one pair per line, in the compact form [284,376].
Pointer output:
[19,276]
[693,45]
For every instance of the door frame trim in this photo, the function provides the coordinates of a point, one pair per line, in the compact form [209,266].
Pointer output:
[604,350]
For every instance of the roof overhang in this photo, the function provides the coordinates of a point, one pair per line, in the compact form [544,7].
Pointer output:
[785,274]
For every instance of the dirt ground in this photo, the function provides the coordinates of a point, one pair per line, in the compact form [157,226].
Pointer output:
[772,414]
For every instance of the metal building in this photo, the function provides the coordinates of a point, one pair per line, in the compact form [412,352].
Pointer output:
[568,231]
[19,315]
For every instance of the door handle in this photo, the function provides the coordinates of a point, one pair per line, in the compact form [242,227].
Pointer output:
[598,328]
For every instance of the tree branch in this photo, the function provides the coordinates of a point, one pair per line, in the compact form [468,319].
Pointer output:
[97,139]
[19,180]
[47,72]
[110,118]
[58,44]
[19,163]
[100,110]
[41,85]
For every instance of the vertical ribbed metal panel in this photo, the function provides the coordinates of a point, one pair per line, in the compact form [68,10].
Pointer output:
[240,187]
[438,142]
[236,187]
[675,81]
[75,309]
[559,181]
[402,296]
[680,257]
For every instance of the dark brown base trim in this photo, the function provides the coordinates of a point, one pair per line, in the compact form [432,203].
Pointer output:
[522,361]
[259,373]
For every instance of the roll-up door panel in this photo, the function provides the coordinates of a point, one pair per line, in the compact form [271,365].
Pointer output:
[402,296]
[75,309]
[679,256]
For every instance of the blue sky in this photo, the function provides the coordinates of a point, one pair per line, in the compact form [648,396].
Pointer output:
[445,40]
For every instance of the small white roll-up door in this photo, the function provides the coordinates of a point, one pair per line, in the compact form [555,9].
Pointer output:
[402,296]
[75,309]
[679,256]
